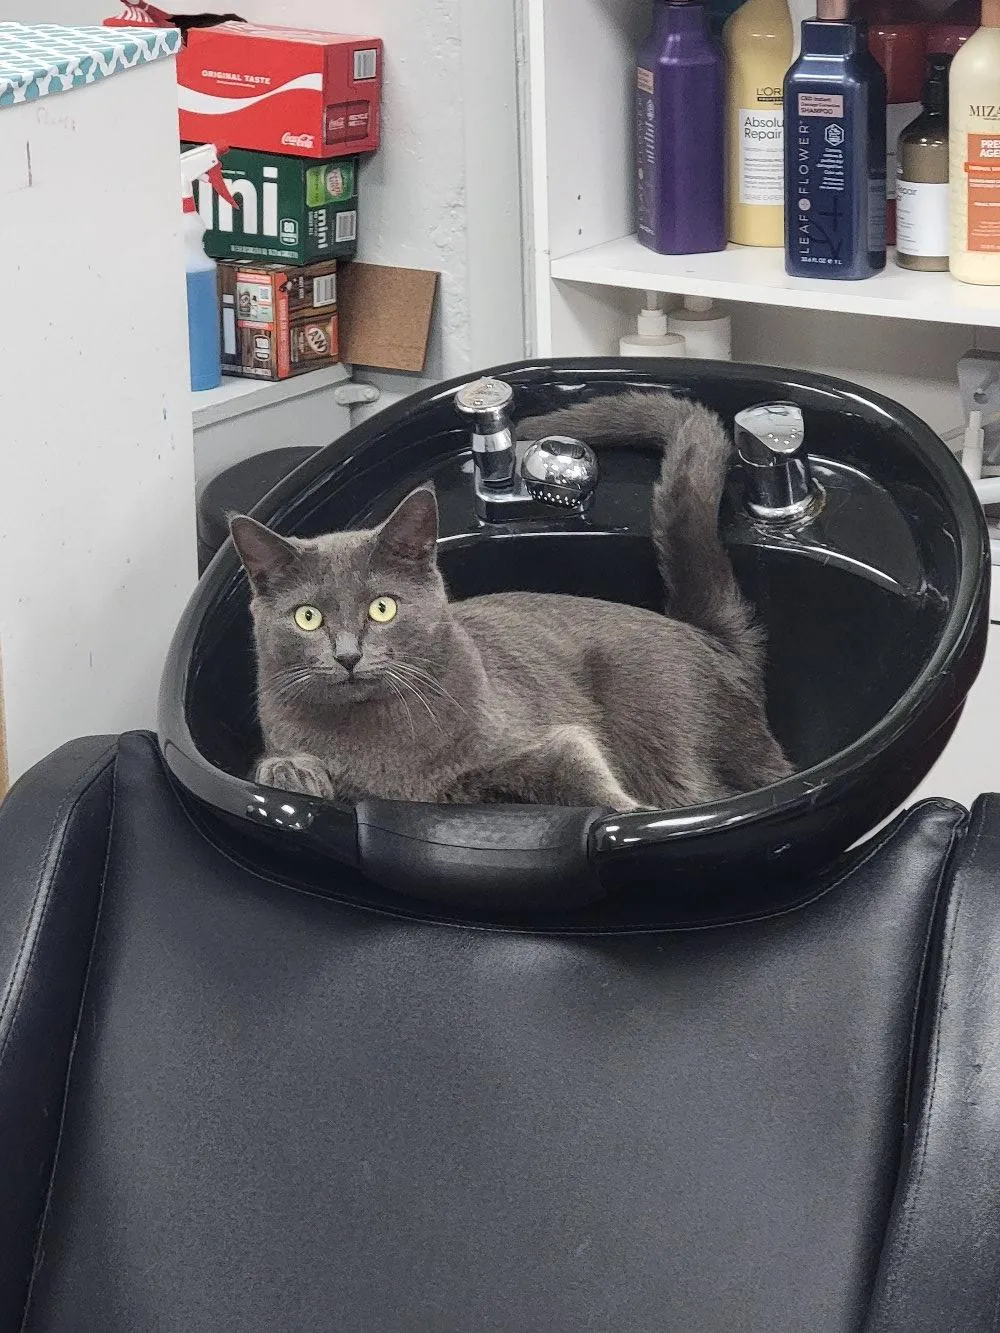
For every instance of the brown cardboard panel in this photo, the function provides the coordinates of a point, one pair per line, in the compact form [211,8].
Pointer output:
[4,769]
[385,315]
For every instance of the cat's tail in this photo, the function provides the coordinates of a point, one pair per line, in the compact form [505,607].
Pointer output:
[696,450]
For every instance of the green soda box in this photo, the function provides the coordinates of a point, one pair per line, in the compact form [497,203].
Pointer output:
[292,210]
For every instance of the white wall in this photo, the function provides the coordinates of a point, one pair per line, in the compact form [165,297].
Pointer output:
[57,11]
[443,191]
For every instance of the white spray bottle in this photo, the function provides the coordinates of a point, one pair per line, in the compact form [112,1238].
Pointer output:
[202,281]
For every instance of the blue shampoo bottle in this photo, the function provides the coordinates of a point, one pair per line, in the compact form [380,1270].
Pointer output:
[835,98]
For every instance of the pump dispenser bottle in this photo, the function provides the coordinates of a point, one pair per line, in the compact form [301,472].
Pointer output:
[922,182]
[758,45]
[652,337]
[974,153]
[706,329]
[835,99]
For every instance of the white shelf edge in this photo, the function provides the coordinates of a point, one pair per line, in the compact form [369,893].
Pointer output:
[757,276]
[236,396]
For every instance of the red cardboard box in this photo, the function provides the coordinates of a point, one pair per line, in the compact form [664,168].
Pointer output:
[280,90]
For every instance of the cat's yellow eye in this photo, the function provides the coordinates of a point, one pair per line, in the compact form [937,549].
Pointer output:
[308,617]
[383,609]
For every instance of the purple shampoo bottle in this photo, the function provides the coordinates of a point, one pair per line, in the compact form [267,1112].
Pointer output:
[680,134]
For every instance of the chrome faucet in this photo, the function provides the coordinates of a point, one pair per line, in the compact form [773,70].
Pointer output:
[486,405]
[779,480]
[518,479]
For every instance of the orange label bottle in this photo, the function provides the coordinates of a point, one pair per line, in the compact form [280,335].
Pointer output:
[974,153]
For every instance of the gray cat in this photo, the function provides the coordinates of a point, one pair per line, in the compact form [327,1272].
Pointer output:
[372,683]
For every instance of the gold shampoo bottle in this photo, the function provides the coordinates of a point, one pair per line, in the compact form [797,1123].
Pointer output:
[974,152]
[758,43]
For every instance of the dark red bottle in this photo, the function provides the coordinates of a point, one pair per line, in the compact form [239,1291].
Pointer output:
[947,39]
[899,45]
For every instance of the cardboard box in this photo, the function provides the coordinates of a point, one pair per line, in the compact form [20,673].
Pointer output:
[292,211]
[278,321]
[280,90]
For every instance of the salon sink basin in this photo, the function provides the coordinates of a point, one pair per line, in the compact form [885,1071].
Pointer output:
[876,614]
[820,620]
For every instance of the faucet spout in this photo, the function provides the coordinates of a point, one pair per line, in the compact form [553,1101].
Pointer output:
[770,443]
[486,406]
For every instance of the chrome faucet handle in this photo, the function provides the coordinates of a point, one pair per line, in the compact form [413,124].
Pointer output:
[560,471]
[485,405]
[485,402]
[769,440]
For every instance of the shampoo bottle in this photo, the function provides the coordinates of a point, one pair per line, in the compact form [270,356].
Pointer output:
[835,151]
[202,279]
[707,331]
[758,45]
[974,153]
[652,337]
[680,114]
[898,44]
[922,186]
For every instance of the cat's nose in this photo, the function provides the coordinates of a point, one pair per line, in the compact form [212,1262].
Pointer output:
[348,659]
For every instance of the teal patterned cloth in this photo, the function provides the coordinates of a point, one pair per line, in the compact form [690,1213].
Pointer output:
[39,59]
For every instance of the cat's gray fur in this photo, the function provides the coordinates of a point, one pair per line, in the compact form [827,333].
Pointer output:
[518,696]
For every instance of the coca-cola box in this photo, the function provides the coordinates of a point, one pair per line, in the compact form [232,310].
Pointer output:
[280,90]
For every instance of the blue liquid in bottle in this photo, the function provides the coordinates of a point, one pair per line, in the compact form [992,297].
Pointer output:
[834,155]
[203,329]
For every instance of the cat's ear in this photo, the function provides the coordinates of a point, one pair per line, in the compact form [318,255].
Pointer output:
[411,530]
[265,555]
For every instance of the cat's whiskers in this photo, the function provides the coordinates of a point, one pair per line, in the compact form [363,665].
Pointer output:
[430,681]
[406,707]
[289,683]
[391,673]
[422,679]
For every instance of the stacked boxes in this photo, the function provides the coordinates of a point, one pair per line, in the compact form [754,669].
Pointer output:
[289,109]
[296,108]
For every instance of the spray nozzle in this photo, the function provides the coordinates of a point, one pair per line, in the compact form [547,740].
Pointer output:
[204,163]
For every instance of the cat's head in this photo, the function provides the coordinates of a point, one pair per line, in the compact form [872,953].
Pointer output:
[336,617]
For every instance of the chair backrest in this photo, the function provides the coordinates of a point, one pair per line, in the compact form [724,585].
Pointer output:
[290,1111]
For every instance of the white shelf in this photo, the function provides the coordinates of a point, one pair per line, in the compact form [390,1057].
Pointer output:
[234,397]
[758,276]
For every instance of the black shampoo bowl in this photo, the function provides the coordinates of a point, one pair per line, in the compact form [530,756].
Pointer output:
[876,612]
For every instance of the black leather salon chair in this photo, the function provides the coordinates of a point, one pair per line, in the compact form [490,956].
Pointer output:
[233,1101]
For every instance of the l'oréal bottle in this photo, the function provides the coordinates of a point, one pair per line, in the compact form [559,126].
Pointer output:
[758,43]
[835,160]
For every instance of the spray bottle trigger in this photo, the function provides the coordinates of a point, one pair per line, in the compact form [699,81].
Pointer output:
[217,181]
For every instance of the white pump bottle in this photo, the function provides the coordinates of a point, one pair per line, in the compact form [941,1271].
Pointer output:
[651,337]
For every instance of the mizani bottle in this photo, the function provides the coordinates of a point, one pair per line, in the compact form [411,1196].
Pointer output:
[974,142]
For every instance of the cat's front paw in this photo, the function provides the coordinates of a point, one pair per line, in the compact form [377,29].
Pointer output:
[295,772]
